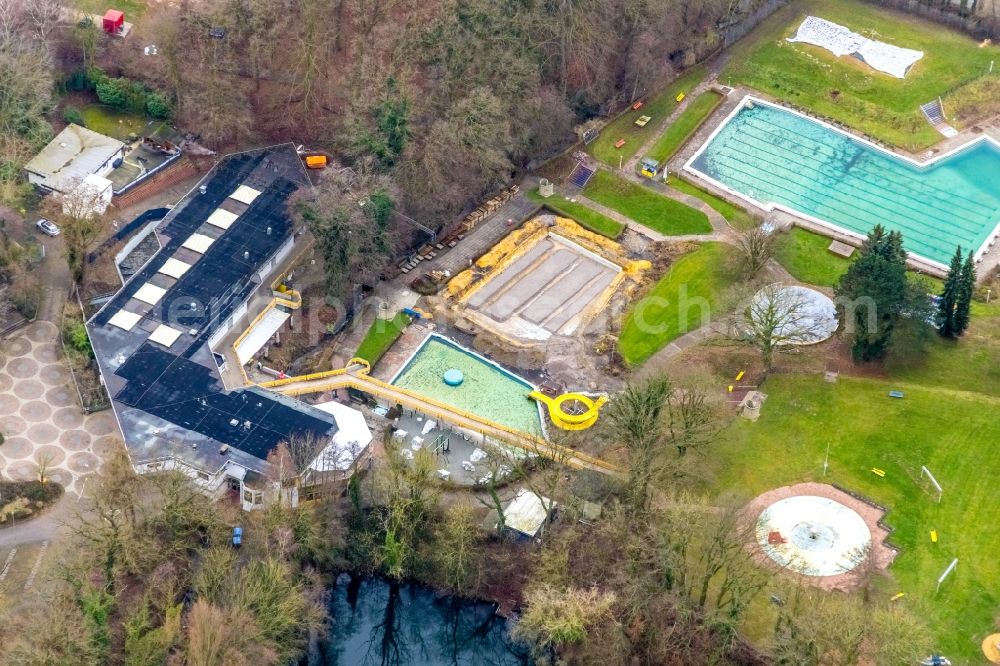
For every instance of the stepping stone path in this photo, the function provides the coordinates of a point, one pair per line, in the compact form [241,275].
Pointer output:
[40,417]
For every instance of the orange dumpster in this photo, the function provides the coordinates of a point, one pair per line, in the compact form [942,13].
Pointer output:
[316,161]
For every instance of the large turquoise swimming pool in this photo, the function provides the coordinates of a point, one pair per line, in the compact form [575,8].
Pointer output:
[774,156]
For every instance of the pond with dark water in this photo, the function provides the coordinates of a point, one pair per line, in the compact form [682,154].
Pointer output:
[374,622]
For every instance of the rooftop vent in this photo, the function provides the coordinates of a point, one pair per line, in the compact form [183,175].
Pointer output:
[234,422]
[224,449]
[203,188]
[246,255]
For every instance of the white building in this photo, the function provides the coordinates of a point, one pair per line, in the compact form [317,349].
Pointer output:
[91,197]
[74,154]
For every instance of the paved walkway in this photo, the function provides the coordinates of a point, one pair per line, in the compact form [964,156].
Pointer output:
[477,242]
[40,416]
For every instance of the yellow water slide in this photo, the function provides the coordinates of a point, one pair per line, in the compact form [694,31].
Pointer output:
[571,411]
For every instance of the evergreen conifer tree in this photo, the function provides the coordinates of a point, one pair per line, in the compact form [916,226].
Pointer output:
[949,297]
[874,293]
[963,302]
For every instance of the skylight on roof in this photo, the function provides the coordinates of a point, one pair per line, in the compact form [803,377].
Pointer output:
[198,243]
[165,335]
[222,218]
[150,293]
[175,268]
[124,319]
[245,194]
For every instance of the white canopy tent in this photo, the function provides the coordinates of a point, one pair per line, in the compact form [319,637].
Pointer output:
[352,438]
[260,334]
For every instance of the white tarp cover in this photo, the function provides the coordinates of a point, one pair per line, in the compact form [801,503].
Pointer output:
[352,438]
[840,41]
[245,194]
[526,512]
[125,320]
[198,243]
[222,218]
[175,268]
[150,293]
[165,335]
[260,334]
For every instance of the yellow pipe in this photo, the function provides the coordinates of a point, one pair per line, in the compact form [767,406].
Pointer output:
[342,378]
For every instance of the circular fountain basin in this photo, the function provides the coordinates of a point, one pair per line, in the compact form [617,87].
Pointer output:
[814,536]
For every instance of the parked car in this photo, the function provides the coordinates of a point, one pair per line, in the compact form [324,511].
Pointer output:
[46,227]
[237,537]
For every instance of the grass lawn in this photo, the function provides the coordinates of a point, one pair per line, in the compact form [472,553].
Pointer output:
[971,363]
[804,254]
[738,217]
[585,217]
[658,107]
[105,120]
[680,302]
[848,90]
[645,206]
[381,335]
[133,8]
[685,125]
[952,432]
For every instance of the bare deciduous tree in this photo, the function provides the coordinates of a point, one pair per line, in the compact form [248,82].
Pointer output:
[635,417]
[82,215]
[756,247]
[776,319]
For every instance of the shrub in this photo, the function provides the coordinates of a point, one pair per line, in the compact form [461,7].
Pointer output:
[94,76]
[113,92]
[75,336]
[135,96]
[71,114]
[78,81]
[157,105]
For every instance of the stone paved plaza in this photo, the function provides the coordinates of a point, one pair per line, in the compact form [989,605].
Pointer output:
[40,416]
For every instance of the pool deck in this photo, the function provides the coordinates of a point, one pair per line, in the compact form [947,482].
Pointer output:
[989,261]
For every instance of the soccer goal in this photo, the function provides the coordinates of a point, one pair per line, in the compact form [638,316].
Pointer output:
[926,477]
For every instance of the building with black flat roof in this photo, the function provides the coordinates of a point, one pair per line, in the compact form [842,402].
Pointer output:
[154,340]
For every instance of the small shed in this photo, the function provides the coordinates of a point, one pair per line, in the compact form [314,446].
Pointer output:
[649,167]
[114,22]
[527,513]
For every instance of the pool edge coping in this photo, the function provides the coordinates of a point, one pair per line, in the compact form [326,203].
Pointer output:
[771,206]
